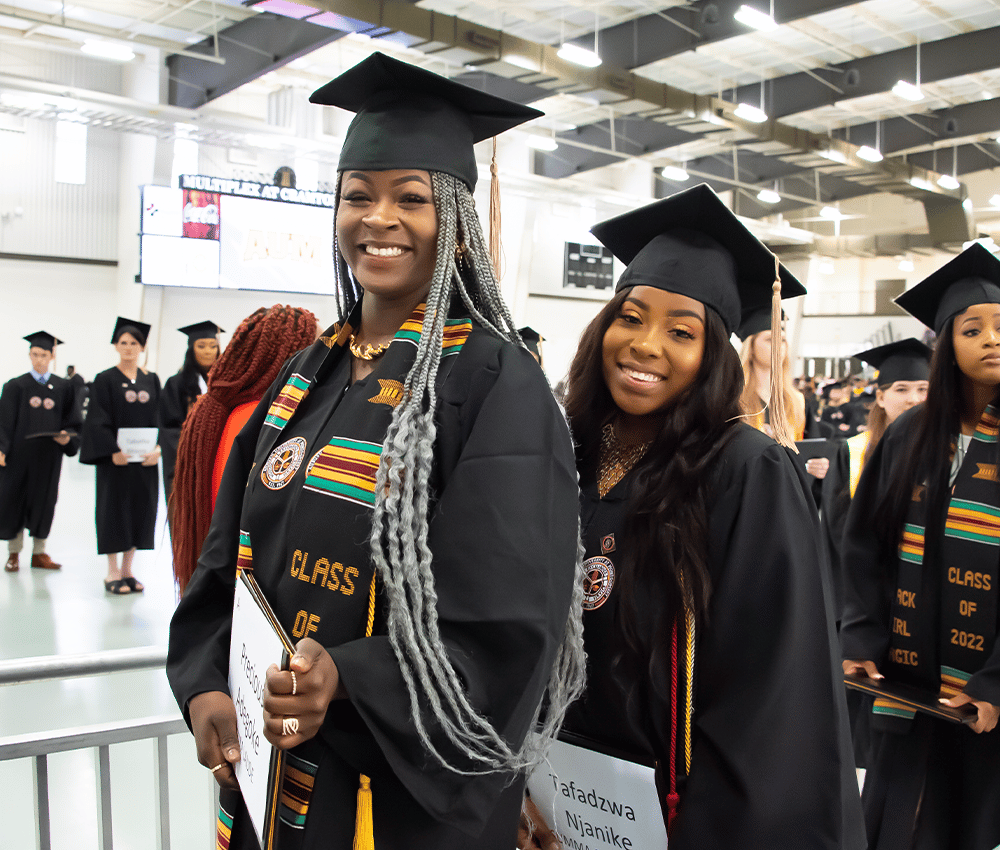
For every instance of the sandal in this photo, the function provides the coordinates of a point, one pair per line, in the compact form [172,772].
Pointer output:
[133,585]
[118,587]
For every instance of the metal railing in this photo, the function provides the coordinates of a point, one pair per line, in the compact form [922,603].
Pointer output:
[38,746]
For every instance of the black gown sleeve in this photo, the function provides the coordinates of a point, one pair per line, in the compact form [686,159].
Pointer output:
[100,434]
[70,419]
[772,764]
[10,402]
[198,646]
[504,542]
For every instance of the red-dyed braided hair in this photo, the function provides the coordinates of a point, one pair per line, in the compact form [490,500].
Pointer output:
[244,371]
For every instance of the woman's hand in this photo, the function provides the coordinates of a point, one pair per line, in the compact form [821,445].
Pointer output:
[533,832]
[867,668]
[213,721]
[119,458]
[818,467]
[988,713]
[152,457]
[303,698]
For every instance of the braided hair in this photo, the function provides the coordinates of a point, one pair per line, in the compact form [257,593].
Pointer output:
[244,371]
[399,544]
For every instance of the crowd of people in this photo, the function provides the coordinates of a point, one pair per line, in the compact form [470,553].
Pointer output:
[679,565]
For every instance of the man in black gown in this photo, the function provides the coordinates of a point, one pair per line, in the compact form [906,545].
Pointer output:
[37,427]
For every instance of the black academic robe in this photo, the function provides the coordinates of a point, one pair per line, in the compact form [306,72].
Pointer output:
[771,764]
[29,483]
[502,530]
[930,784]
[175,403]
[126,495]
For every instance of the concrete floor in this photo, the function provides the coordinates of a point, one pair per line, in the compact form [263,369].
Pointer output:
[68,612]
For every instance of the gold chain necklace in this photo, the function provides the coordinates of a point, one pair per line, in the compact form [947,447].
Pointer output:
[367,352]
[616,459]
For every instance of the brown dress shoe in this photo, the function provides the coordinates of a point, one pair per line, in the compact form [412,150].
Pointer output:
[11,566]
[44,562]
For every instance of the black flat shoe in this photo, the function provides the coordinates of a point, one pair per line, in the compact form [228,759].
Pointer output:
[118,587]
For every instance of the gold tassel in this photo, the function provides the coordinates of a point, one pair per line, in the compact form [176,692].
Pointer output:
[495,213]
[364,827]
[779,416]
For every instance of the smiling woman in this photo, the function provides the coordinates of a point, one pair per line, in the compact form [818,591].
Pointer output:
[931,485]
[702,553]
[416,459]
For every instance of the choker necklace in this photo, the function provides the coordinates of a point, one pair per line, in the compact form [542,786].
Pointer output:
[367,352]
[616,459]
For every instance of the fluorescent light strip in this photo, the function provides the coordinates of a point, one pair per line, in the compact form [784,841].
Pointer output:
[946,181]
[908,91]
[541,143]
[870,154]
[108,50]
[579,55]
[768,196]
[755,18]
[675,173]
[750,113]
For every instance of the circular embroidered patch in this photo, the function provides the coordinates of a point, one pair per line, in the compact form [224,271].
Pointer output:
[130,396]
[48,403]
[283,463]
[143,396]
[598,579]
[35,401]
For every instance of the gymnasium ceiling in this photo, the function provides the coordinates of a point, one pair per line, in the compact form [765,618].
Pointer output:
[670,79]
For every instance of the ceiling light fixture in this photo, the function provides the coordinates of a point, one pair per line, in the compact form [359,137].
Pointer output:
[750,113]
[768,196]
[755,19]
[906,265]
[675,173]
[521,62]
[541,143]
[825,266]
[833,155]
[920,183]
[870,154]
[908,91]
[108,50]
[579,55]
[832,213]
[995,201]
[946,181]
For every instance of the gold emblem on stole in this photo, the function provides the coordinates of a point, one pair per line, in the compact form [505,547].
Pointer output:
[391,393]
[986,472]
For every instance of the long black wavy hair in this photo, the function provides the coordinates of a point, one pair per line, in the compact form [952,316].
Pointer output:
[189,372]
[665,548]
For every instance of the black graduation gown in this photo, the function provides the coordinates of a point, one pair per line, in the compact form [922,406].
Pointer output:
[29,483]
[174,406]
[503,531]
[930,784]
[771,765]
[126,495]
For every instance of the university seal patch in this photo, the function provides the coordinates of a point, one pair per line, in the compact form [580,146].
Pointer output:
[35,401]
[131,396]
[48,403]
[598,580]
[143,396]
[283,463]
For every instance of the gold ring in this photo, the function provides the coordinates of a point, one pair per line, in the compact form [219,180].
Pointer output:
[289,726]
[295,684]
[218,767]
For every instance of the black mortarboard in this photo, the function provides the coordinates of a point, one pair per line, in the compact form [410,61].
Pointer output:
[43,339]
[201,330]
[973,277]
[140,330]
[531,338]
[408,117]
[692,244]
[755,322]
[903,360]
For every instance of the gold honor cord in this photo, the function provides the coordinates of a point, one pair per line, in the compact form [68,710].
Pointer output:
[364,825]
[689,690]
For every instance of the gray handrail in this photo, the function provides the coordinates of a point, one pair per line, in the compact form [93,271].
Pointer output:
[96,735]
[18,670]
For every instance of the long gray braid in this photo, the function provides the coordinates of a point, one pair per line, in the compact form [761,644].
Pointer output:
[399,544]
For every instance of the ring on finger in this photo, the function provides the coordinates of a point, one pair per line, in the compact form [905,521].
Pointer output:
[295,684]
[218,767]
[289,726]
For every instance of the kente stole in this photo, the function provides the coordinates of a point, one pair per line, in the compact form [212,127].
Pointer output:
[944,611]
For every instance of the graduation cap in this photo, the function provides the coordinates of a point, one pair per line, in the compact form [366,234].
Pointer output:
[43,339]
[973,277]
[692,244]
[408,117]
[531,339]
[755,322]
[140,330]
[903,360]
[201,330]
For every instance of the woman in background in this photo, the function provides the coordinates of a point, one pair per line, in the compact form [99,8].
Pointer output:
[255,354]
[124,396]
[182,390]
[922,577]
